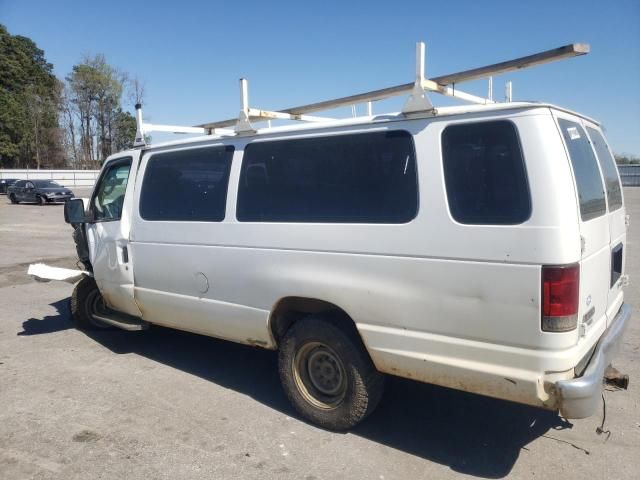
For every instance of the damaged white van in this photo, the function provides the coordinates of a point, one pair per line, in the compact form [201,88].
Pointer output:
[479,247]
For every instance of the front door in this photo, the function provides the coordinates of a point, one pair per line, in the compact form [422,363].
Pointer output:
[108,233]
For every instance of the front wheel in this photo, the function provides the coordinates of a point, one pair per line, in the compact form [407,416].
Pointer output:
[86,301]
[13,199]
[40,200]
[327,373]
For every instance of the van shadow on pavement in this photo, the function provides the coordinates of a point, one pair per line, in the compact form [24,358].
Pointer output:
[469,433]
[51,323]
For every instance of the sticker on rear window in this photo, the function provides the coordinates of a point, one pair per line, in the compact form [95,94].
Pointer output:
[573,133]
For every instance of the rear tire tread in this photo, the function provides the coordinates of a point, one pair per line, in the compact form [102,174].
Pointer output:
[365,383]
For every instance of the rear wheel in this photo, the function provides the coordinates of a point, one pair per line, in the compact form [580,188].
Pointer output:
[12,198]
[86,302]
[327,374]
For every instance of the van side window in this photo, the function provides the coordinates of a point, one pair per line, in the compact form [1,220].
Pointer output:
[585,169]
[484,174]
[356,178]
[187,185]
[608,167]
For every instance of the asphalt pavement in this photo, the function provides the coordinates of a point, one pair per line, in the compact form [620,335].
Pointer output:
[164,404]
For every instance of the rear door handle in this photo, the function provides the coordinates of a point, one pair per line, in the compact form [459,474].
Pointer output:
[125,255]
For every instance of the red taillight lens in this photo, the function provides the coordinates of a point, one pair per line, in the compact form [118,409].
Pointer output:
[560,293]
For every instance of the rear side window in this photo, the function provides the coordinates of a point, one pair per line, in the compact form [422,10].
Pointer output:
[359,178]
[187,185]
[608,167]
[485,174]
[585,169]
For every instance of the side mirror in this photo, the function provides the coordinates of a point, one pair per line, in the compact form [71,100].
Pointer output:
[74,211]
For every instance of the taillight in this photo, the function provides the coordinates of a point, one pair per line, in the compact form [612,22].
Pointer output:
[560,293]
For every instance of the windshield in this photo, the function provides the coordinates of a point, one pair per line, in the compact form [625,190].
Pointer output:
[46,184]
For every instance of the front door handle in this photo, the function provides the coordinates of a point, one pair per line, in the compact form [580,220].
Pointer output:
[125,255]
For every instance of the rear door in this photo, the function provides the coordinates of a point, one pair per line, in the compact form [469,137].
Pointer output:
[594,224]
[615,213]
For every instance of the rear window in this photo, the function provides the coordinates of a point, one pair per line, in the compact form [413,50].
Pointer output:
[188,185]
[608,167]
[484,174]
[585,169]
[354,178]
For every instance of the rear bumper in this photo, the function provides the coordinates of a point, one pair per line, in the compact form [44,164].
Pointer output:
[580,397]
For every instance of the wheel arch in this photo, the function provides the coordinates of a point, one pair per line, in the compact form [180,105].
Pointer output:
[288,310]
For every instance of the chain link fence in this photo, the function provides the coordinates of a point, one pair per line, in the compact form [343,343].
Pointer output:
[630,175]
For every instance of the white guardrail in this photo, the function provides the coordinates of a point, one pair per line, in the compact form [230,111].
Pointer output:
[68,178]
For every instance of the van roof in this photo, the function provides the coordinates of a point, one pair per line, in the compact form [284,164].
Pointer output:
[364,120]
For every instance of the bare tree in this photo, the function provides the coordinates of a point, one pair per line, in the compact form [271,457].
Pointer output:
[68,118]
[92,110]
[136,91]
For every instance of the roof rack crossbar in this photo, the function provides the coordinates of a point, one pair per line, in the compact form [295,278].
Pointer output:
[561,53]
[142,129]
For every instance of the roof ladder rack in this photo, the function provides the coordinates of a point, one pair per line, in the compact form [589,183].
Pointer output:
[417,90]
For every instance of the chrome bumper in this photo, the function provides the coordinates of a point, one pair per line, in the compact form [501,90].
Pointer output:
[580,397]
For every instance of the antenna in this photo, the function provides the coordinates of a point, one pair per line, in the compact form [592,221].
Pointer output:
[139,140]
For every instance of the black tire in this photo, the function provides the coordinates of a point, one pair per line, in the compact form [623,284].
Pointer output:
[12,198]
[39,200]
[352,387]
[85,300]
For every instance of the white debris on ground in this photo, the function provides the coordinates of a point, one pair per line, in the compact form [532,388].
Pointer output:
[45,273]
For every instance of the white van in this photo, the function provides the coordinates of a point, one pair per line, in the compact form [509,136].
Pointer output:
[480,248]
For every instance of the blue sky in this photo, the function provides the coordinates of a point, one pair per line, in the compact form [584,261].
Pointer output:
[191,54]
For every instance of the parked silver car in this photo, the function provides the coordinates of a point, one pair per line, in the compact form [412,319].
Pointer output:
[5,183]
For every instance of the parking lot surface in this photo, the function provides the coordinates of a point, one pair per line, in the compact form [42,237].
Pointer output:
[168,404]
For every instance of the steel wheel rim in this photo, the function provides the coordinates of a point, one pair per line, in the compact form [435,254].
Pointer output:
[320,375]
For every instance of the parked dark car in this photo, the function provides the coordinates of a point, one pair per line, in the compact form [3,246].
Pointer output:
[38,191]
[5,183]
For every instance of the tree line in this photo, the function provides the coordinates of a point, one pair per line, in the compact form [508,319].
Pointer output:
[624,159]
[46,122]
